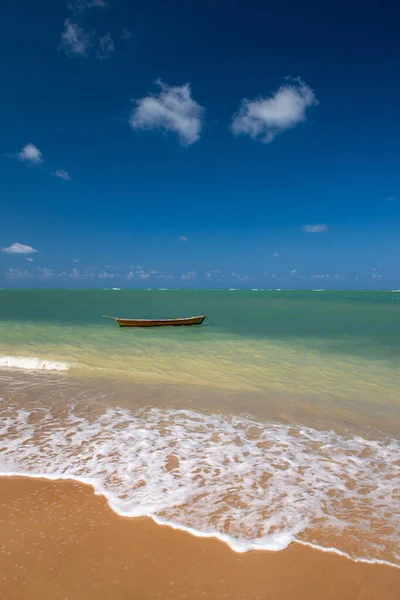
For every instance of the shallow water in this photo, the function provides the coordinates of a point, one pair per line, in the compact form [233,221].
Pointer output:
[342,344]
[278,421]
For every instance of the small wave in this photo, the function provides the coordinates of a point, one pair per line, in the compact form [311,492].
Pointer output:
[251,485]
[32,363]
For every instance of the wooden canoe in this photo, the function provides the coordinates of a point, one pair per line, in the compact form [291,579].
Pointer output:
[159,322]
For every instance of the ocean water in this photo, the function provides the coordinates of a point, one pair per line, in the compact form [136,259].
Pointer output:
[278,420]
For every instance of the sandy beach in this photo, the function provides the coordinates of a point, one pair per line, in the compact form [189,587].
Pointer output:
[61,541]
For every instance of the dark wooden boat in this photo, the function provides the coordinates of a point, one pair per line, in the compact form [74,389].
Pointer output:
[158,322]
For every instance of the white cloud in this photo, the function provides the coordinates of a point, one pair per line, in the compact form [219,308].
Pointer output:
[74,274]
[17,248]
[40,273]
[183,238]
[320,276]
[189,276]
[275,255]
[391,198]
[265,118]
[74,40]
[107,47]
[63,174]
[211,274]
[30,259]
[105,275]
[142,274]
[173,109]
[126,34]
[75,260]
[236,277]
[45,273]
[90,274]
[293,272]
[30,154]
[82,5]
[320,228]
[16,273]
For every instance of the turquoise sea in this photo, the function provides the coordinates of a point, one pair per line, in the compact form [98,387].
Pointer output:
[277,420]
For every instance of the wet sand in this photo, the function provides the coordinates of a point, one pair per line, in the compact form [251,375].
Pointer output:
[60,541]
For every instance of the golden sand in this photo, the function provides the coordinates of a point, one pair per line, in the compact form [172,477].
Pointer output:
[59,541]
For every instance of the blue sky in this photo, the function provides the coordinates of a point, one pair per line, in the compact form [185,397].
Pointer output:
[199,144]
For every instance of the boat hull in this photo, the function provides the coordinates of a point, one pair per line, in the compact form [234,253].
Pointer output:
[160,322]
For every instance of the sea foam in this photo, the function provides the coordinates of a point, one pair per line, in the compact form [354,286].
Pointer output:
[252,485]
[32,363]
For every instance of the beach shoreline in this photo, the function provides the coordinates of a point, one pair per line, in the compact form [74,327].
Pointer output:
[61,540]
[253,485]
